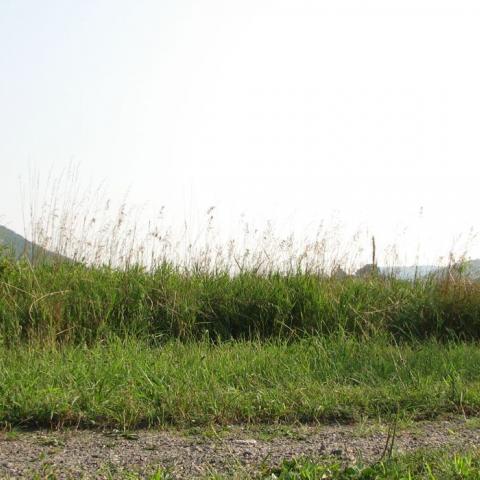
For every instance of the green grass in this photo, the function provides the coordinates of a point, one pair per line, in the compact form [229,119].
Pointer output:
[73,303]
[129,383]
[427,465]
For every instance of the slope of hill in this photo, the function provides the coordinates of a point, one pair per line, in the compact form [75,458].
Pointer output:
[19,246]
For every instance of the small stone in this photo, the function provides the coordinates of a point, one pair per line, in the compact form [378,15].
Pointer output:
[246,442]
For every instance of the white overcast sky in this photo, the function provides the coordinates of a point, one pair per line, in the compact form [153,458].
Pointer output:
[286,110]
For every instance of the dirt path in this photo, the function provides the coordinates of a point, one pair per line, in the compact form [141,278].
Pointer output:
[87,454]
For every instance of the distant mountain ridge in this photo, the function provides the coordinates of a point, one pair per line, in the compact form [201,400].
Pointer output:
[469,269]
[410,272]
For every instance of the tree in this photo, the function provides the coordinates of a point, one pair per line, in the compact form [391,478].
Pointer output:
[368,270]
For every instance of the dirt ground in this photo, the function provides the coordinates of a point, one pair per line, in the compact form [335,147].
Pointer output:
[190,454]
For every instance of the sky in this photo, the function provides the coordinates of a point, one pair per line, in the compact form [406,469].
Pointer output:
[364,113]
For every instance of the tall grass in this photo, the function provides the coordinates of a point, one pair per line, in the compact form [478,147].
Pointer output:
[75,303]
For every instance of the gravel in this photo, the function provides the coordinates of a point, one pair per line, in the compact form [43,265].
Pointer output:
[92,454]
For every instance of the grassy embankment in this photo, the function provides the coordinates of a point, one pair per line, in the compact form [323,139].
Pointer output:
[128,348]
